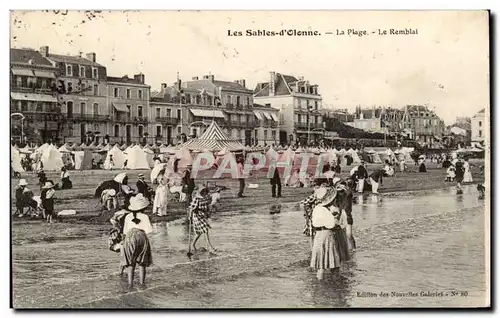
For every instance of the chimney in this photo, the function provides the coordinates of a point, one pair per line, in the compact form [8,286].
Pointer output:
[140,78]
[361,115]
[91,57]
[195,78]
[205,76]
[163,86]
[242,82]
[271,83]
[44,50]
[211,78]
[301,78]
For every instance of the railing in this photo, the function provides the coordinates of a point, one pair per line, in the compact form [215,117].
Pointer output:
[229,106]
[308,126]
[92,117]
[239,124]
[141,120]
[168,120]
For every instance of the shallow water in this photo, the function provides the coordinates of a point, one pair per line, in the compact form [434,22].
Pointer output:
[405,244]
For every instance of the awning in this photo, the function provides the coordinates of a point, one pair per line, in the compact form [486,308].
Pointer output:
[44,74]
[258,114]
[275,118]
[267,115]
[33,97]
[207,113]
[120,107]
[22,72]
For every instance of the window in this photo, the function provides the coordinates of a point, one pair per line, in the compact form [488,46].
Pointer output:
[302,89]
[39,107]
[179,130]
[316,119]
[95,109]
[139,94]
[128,93]
[129,112]
[116,92]
[169,112]
[480,133]
[70,87]
[139,111]
[70,129]
[117,130]
[307,104]
[95,74]
[273,134]
[316,105]
[158,130]
[96,90]
[179,114]
[237,100]
[96,127]
[242,118]
[268,105]
[299,118]
[141,131]
[69,70]
[82,71]
[82,108]
[265,134]
[480,123]
[299,103]
[158,112]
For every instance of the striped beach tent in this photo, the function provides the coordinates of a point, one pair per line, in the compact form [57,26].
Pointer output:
[214,139]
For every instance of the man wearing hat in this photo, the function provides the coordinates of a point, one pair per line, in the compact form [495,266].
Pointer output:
[20,197]
[47,197]
[362,175]
[143,187]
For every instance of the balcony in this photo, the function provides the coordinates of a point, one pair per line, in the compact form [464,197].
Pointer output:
[239,124]
[87,117]
[305,126]
[39,116]
[168,120]
[140,120]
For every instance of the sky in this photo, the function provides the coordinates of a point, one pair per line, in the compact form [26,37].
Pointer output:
[445,66]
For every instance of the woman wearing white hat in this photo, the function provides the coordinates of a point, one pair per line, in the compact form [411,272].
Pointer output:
[330,243]
[20,197]
[109,200]
[161,197]
[47,197]
[136,248]
[125,189]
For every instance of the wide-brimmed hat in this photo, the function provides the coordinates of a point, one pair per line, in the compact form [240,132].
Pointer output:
[140,175]
[320,193]
[328,197]
[111,192]
[201,189]
[23,182]
[48,185]
[119,177]
[138,203]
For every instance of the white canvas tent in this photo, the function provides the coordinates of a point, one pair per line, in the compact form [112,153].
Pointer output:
[51,158]
[354,156]
[118,158]
[136,158]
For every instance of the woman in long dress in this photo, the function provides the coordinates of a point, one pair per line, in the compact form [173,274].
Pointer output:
[161,197]
[136,248]
[467,172]
[330,246]
[198,214]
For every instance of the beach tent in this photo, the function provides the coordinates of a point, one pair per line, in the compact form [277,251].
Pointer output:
[51,158]
[184,157]
[85,160]
[354,156]
[136,158]
[214,139]
[118,158]
[376,158]
[16,160]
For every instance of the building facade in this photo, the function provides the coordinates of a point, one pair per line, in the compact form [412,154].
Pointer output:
[35,111]
[186,108]
[82,94]
[267,125]
[299,104]
[129,110]
[422,124]
[479,128]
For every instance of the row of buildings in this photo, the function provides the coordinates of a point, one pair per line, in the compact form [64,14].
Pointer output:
[73,99]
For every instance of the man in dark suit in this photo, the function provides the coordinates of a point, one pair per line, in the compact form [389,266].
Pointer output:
[142,186]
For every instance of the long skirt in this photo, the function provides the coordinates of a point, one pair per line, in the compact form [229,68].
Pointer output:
[467,177]
[136,249]
[329,249]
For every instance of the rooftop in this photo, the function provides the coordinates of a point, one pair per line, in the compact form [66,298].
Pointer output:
[72,59]
[23,56]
